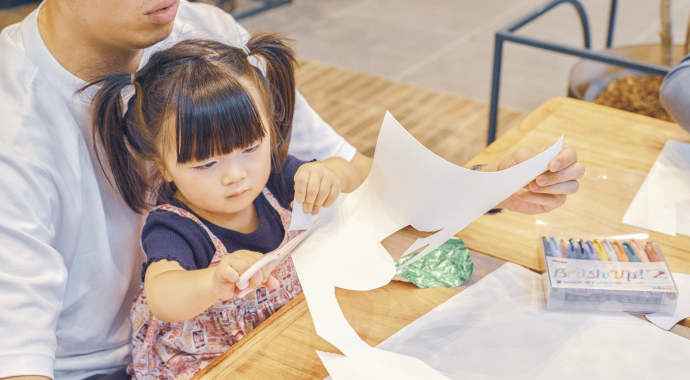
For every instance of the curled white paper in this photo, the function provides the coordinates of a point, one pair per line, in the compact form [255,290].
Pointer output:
[408,185]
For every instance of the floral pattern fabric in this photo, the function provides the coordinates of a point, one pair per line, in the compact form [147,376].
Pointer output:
[163,350]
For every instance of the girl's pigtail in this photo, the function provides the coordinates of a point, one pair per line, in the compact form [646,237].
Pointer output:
[279,60]
[117,133]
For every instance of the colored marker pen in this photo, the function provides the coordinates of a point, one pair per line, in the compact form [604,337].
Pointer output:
[618,248]
[651,252]
[545,245]
[639,251]
[599,250]
[571,249]
[590,251]
[630,252]
[564,252]
[580,251]
[608,248]
[553,246]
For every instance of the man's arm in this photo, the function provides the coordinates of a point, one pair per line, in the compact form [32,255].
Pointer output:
[675,93]
[312,138]
[32,274]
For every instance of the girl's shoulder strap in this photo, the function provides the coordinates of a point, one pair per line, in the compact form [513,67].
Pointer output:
[285,214]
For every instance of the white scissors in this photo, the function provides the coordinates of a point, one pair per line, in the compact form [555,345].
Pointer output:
[274,256]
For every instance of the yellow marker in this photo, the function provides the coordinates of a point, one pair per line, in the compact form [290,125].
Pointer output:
[599,250]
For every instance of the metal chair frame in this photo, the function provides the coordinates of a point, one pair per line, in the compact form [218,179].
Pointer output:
[507,34]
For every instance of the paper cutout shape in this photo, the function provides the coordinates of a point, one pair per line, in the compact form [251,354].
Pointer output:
[408,185]
[499,329]
[667,321]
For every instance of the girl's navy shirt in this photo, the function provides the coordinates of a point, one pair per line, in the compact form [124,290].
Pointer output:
[169,236]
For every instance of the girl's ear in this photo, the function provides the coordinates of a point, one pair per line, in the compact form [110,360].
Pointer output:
[161,168]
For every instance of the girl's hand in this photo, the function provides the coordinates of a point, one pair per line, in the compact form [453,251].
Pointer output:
[316,185]
[232,266]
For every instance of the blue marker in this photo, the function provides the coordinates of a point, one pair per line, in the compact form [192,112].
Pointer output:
[571,249]
[545,244]
[554,247]
[580,251]
[590,251]
[630,252]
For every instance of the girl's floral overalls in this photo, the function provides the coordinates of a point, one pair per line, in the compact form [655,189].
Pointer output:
[165,350]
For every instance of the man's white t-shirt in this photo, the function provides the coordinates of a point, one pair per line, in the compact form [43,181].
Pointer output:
[70,256]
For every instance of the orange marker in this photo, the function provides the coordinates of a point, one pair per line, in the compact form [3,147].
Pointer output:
[639,251]
[620,252]
[651,252]
[561,246]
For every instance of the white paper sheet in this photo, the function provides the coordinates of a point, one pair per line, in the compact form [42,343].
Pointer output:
[408,185]
[499,328]
[663,202]
[667,321]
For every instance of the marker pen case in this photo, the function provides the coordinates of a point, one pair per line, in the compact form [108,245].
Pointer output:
[634,276]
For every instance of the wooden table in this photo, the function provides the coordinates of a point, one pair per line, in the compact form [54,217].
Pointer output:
[606,139]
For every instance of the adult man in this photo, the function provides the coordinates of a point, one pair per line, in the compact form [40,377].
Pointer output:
[69,245]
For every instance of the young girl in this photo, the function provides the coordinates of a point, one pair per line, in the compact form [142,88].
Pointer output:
[205,138]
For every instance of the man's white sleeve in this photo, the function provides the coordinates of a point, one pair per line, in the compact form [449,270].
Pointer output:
[312,138]
[32,273]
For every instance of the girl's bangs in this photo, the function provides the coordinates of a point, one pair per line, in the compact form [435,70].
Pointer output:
[215,117]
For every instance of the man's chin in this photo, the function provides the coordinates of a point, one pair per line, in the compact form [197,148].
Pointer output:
[153,37]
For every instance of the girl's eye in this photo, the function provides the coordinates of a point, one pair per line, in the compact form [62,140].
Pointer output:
[205,166]
[252,149]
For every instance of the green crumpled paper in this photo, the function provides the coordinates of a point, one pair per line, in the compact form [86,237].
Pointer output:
[448,265]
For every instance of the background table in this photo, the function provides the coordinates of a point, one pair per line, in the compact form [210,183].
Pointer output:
[284,346]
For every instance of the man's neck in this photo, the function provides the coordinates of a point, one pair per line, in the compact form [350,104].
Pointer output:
[77,52]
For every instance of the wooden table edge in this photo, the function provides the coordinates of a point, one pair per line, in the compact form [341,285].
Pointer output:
[245,347]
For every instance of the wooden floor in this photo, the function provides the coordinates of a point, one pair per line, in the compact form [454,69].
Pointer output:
[353,103]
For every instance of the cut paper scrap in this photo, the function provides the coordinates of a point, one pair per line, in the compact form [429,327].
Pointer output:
[499,328]
[408,185]
[662,203]
[667,321]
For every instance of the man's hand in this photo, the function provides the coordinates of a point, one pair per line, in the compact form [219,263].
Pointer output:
[549,190]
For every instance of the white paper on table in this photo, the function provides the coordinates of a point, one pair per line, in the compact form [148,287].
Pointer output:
[638,211]
[408,185]
[667,321]
[499,328]
[683,217]
[661,204]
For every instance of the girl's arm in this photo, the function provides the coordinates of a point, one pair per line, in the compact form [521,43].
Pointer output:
[346,172]
[318,184]
[175,294]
